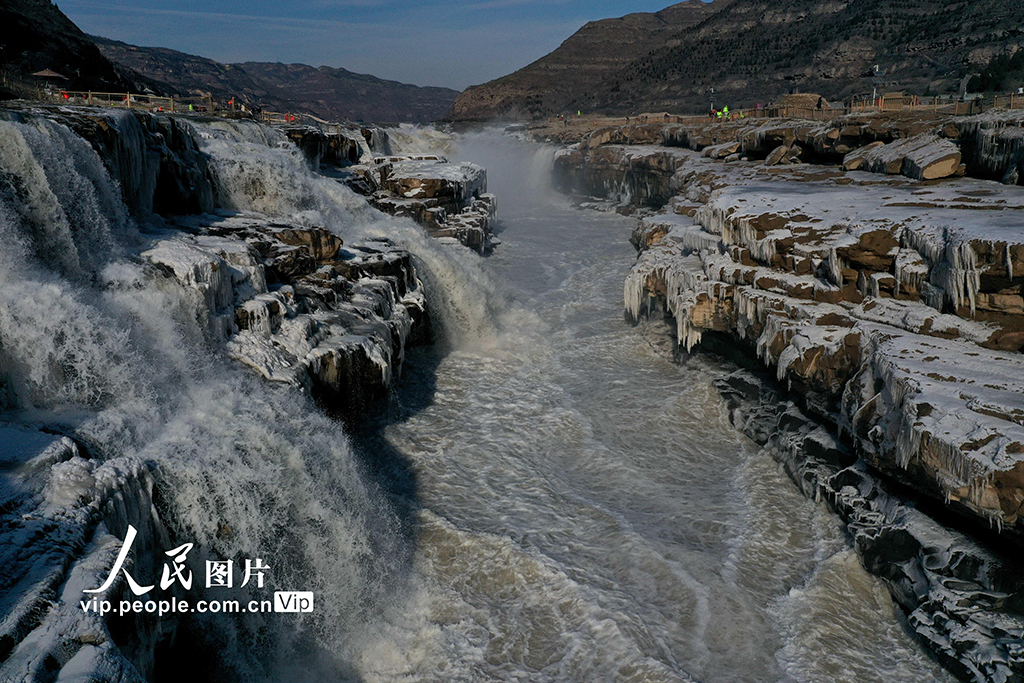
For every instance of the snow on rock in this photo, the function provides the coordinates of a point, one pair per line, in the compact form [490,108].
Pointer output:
[922,157]
[821,273]
[948,413]
[890,308]
[297,306]
[60,508]
[448,199]
[958,595]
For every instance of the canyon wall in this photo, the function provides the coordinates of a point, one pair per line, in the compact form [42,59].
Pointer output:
[886,315]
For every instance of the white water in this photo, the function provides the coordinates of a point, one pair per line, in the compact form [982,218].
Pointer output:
[552,500]
[258,170]
[587,512]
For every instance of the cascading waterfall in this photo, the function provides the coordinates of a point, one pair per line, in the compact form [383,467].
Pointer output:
[96,344]
[259,170]
[580,508]
[415,139]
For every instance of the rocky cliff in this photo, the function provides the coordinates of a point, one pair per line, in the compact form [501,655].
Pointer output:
[35,35]
[888,312]
[751,51]
[582,68]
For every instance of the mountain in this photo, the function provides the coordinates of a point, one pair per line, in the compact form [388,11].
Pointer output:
[587,62]
[752,51]
[35,35]
[333,94]
[340,93]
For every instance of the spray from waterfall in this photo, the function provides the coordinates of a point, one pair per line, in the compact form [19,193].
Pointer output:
[97,344]
[259,170]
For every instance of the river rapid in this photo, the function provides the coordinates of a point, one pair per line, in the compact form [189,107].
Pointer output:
[584,510]
[547,497]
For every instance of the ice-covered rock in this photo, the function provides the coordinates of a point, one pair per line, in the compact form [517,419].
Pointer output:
[991,144]
[447,199]
[59,509]
[299,307]
[922,157]
[961,597]
[832,280]
[630,175]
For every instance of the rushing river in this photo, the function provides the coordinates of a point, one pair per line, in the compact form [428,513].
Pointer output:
[551,499]
[585,511]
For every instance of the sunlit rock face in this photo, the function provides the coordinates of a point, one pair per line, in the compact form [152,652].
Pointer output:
[919,145]
[841,282]
[888,308]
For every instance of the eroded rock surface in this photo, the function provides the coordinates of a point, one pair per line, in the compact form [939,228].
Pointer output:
[859,292]
[961,598]
[450,200]
[63,513]
[298,306]
[920,145]
[891,312]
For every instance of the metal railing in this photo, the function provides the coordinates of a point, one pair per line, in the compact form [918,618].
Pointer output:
[47,92]
[942,105]
[200,104]
[911,103]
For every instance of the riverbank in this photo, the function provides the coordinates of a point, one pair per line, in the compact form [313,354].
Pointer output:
[888,311]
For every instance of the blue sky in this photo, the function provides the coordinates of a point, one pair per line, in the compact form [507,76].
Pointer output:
[426,42]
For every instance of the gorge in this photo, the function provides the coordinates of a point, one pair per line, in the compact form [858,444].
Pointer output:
[887,312]
[194,311]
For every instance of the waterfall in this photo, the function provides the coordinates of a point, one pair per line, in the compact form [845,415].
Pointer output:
[259,170]
[416,139]
[97,345]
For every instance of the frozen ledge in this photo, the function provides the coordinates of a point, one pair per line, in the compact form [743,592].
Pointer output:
[893,308]
[298,306]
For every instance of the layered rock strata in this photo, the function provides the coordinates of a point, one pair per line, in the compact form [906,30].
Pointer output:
[450,200]
[894,308]
[298,306]
[891,313]
[963,599]
[918,145]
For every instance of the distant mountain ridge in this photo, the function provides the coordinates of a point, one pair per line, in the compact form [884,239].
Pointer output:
[751,51]
[330,93]
[35,36]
